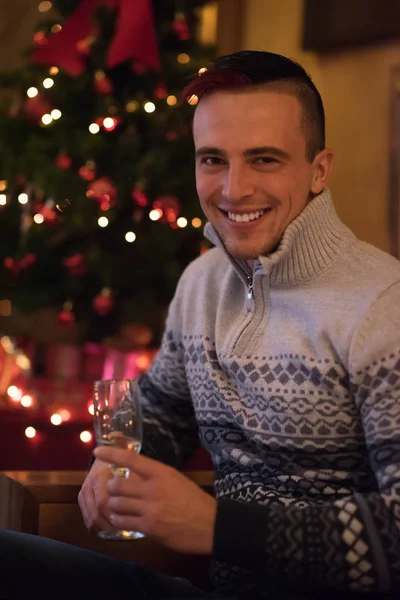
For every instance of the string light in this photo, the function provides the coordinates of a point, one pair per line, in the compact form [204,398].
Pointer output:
[131,106]
[23,198]
[201,71]
[85,437]
[38,218]
[94,128]
[48,83]
[149,107]
[103,222]
[196,222]
[22,361]
[32,92]
[110,123]
[56,28]
[54,71]
[47,119]
[172,100]
[14,393]
[26,401]
[3,185]
[45,6]
[91,409]
[3,199]
[155,214]
[130,236]
[193,100]
[56,419]
[182,222]
[183,58]
[56,114]
[30,432]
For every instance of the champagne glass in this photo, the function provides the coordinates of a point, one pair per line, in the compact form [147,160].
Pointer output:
[118,422]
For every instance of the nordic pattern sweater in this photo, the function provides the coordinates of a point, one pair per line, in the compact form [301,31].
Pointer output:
[290,377]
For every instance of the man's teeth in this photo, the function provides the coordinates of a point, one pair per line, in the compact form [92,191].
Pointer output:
[245,217]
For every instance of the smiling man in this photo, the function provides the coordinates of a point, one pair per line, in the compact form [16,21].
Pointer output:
[256,164]
[281,354]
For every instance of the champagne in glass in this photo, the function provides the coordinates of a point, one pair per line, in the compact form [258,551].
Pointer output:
[118,422]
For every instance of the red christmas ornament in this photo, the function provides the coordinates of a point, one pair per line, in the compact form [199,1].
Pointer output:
[27,261]
[103,191]
[103,84]
[180,27]
[49,214]
[103,302]
[161,91]
[170,208]
[63,160]
[84,45]
[16,266]
[88,171]
[66,317]
[12,264]
[140,198]
[36,107]
[76,265]
[40,38]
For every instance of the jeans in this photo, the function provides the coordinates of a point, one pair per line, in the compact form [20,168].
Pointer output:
[33,568]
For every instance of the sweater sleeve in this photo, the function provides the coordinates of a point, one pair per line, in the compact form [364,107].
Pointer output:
[354,542]
[170,432]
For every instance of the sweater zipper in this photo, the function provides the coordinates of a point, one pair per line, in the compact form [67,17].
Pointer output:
[250,293]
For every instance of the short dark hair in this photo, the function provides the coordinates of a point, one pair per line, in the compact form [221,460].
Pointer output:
[253,67]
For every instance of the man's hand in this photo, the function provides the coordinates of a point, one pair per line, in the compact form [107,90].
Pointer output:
[160,502]
[93,497]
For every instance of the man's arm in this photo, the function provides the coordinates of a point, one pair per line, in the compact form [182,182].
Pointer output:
[170,431]
[354,542]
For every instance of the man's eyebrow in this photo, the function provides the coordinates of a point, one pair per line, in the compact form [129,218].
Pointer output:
[271,150]
[209,150]
[250,152]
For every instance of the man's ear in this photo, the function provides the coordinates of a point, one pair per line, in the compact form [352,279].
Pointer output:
[322,168]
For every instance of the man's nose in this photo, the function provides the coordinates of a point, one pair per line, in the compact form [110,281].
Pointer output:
[237,183]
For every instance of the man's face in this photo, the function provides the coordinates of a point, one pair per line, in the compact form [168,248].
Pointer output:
[252,174]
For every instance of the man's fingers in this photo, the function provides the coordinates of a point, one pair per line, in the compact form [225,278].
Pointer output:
[126,506]
[95,513]
[141,465]
[133,487]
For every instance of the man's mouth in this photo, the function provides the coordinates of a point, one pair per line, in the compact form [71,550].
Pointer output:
[246,217]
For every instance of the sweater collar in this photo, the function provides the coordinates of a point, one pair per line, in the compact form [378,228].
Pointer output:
[310,243]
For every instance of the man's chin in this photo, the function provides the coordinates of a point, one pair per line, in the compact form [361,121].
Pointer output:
[242,253]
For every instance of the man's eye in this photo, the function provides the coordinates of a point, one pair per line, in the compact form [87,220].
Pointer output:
[265,160]
[211,160]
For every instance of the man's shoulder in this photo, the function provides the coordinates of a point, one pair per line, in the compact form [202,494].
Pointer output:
[374,264]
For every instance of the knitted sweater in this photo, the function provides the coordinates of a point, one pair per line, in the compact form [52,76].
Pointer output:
[290,377]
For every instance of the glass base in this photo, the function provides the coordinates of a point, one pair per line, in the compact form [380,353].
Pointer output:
[120,535]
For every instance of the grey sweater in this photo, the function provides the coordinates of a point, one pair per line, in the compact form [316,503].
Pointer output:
[290,377]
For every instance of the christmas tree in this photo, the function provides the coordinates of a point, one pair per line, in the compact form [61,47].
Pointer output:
[98,208]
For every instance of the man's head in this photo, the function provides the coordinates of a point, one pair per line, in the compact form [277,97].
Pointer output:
[259,132]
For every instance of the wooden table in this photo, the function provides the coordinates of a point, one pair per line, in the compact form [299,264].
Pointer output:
[45,503]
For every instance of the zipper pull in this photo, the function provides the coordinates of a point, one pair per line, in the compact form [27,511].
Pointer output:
[250,294]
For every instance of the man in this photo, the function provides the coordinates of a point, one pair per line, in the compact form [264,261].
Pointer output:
[282,354]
